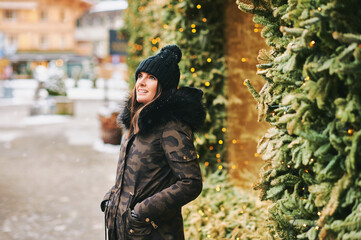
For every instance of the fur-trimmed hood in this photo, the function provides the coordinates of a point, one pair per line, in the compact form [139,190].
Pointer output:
[183,104]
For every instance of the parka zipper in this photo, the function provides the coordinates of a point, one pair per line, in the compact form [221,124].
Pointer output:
[130,199]
[124,216]
[155,226]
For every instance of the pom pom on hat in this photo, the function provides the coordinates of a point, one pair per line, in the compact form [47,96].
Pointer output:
[175,50]
[164,66]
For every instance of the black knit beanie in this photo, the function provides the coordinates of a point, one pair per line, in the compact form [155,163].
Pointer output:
[164,66]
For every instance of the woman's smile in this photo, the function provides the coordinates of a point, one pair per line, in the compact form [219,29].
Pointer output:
[142,91]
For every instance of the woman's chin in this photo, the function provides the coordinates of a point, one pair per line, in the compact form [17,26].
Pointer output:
[142,100]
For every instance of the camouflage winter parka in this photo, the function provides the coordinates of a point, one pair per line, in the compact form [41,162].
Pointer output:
[158,170]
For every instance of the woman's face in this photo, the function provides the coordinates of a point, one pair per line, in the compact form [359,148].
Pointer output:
[146,87]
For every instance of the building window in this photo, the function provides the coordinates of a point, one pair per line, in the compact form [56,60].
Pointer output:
[43,16]
[63,42]
[10,15]
[44,42]
[62,17]
[12,40]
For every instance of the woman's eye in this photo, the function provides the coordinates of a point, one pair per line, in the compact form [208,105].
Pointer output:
[152,77]
[139,75]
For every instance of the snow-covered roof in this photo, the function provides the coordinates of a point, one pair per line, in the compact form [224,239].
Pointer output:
[91,2]
[18,5]
[28,4]
[105,6]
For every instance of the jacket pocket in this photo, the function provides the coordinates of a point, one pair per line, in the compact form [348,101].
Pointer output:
[135,229]
[183,155]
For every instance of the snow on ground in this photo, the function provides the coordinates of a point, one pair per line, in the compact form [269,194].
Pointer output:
[96,93]
[100,146]
[21,91]
[14,101]
[45,119]
[81,136]
[109,109]
[8,136]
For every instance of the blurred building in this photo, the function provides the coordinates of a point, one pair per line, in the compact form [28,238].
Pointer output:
[37,31]
[97,31]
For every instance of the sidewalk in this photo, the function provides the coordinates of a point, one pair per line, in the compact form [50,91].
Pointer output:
[52,178]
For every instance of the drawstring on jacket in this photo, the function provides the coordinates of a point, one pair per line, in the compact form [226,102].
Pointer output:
[105,221]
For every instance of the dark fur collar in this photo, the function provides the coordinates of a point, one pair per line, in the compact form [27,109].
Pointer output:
[183,104]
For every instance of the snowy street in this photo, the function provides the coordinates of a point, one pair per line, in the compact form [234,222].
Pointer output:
[54,170]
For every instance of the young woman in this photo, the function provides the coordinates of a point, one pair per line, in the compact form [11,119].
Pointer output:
[158,170]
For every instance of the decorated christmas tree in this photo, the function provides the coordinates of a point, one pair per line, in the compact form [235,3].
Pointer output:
[312,100]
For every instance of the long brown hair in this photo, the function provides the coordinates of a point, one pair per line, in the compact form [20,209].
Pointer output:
[136,108]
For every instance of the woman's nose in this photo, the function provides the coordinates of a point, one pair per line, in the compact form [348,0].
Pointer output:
[141,81]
